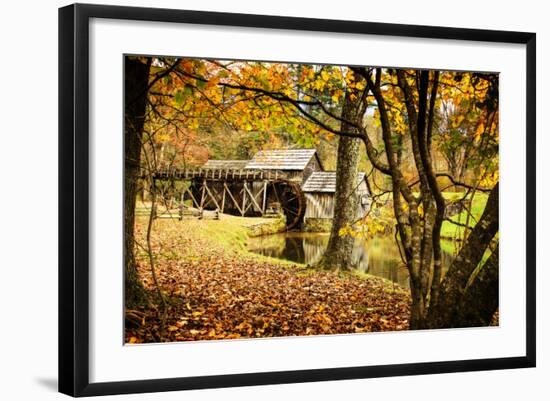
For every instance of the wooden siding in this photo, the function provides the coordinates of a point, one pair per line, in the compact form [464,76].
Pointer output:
[296,176]
[321,206]
[319,192]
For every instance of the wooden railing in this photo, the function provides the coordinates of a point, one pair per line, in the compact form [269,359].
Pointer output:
[222,174]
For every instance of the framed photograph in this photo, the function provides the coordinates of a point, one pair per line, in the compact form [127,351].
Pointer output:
[251,199]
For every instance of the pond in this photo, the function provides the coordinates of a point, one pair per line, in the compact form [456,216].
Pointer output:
[378,256]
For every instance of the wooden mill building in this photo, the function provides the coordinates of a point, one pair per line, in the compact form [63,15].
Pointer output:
[319,190]
[291,181]
[270,181]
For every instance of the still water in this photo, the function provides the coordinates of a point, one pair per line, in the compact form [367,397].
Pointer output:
[378,256]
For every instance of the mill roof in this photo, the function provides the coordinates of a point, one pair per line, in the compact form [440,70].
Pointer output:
[226,164]
[325,181]
[281,159]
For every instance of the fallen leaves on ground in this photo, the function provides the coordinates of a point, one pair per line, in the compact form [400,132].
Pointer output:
[218,293]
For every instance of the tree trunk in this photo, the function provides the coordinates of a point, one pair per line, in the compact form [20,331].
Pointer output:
[480,300]
[339,251]
[444,313]
[135,100]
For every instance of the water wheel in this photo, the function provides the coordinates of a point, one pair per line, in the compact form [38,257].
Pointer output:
[291,198]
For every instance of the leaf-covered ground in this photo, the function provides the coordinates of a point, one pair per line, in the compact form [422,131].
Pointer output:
[215,289]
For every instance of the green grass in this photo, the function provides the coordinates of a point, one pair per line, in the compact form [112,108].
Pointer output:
[229,232]
[450,247]
[232,234]
[453,231]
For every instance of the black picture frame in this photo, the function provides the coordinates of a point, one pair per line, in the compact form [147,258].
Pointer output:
[74,194]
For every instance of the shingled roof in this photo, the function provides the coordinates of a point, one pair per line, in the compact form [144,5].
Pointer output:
[325,181]
[281,159]
[226,164]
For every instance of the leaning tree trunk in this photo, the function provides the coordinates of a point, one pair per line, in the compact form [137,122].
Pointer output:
[480,300]
[338,255]
[135,99]
[453,294]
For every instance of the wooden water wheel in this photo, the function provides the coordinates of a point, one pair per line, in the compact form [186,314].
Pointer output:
[292,201]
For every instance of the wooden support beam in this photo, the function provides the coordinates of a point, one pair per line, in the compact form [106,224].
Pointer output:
[232,198]
[258,197]
[244,197]
[195,203]
[265,197]
[182,204]
[252,198]
[215,192]
[203,193]
[223,198]
[211,196]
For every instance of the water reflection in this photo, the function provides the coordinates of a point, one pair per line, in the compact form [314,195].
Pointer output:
[379,256]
